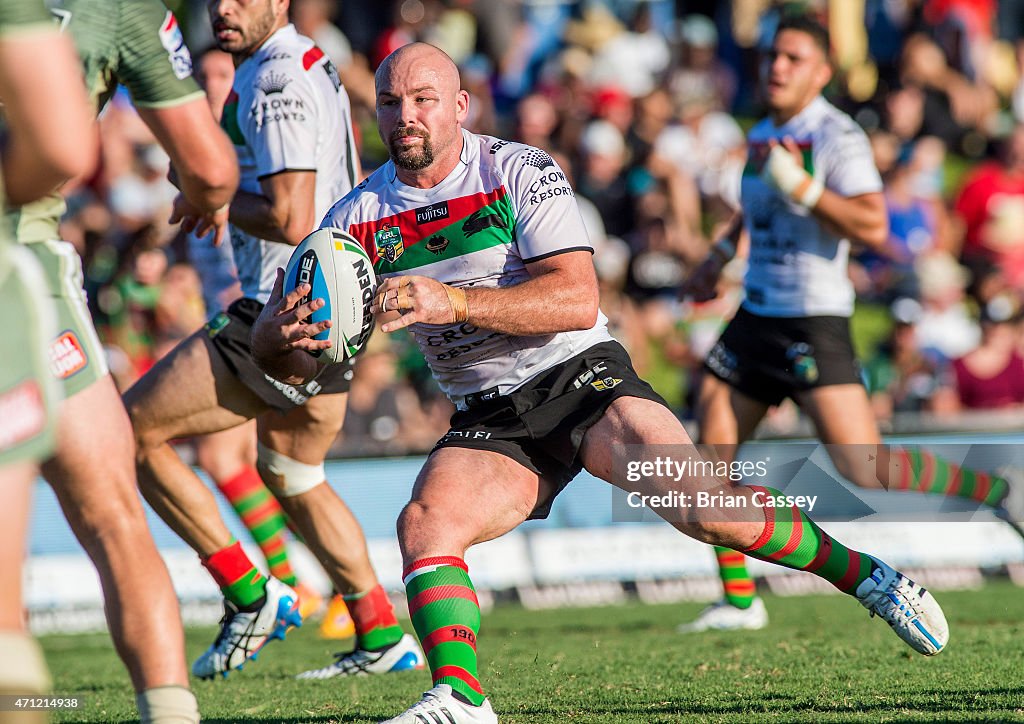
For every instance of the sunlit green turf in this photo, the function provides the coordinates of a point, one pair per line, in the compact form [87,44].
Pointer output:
[822,660]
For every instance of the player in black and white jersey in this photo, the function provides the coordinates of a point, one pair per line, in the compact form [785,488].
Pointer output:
[810,189]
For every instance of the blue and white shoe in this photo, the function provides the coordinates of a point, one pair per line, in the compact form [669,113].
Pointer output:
[403,655]
[244,633]
[908,608]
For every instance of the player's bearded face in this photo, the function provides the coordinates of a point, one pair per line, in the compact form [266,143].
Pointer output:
[411,157]
[240,32]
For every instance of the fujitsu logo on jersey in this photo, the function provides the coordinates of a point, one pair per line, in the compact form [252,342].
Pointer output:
[433,212]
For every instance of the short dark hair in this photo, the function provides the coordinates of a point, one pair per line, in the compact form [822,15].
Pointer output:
[806,24]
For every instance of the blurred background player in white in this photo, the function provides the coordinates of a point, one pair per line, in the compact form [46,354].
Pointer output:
[229,456]
[290,121]
[497,285]
[50,138]
[135,43]
[810,188]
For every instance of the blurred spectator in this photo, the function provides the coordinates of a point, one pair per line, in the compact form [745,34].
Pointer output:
[708,145]
[312,18]
[946,327]
[536,123]
[954,109]
[992,376]
[991,205]
[899,377]
[917,219]
[634,59]
[383,416]
[602,179]
[698,72]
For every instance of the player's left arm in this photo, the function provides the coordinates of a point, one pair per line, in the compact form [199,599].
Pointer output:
[861,218]
[846,196]
[561,294]
[282,132]
[284,212]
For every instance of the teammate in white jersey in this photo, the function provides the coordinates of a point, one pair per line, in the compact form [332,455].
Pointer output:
[809,188]
[289,119]
[484,256]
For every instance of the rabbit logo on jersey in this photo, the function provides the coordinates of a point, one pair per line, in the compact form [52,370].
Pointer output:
[174,43]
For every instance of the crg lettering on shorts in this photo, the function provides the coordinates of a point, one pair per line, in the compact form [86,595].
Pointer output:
[174,43]
[23,412]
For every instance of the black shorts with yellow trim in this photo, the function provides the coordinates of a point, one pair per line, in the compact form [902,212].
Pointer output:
[542,424]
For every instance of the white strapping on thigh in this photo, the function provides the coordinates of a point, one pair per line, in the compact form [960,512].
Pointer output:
[296,477]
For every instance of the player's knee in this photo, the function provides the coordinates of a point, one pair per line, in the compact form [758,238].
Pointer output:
[420,528]
[285,476]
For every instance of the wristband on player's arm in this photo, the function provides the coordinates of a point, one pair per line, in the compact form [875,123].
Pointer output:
[782,171]
[459,305]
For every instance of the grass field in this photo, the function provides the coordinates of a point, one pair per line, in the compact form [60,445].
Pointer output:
[822,660]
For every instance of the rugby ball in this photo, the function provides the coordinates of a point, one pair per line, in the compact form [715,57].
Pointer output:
[337,268]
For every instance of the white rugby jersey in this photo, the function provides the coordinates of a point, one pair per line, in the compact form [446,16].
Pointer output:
[287,111]
[504,205]
[796,267]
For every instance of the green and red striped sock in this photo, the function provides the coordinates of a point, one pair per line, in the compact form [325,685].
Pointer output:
[922,472]
[264,517]
[239,580]
[374,619]
[736,579]
[446,616]
[793,540]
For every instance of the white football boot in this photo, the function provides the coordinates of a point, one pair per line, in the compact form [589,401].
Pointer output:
[908,608]
[1011,507]
[404,655]
[243,633]
[438,706]
[723,616]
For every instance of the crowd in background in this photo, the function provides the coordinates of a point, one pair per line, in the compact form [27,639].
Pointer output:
[645,105]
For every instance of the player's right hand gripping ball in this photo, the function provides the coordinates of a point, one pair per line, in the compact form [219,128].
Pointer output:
[338,270]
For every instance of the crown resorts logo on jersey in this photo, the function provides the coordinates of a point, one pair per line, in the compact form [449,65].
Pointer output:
[273,83]
[538,159]
[388,241]
[174,43]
